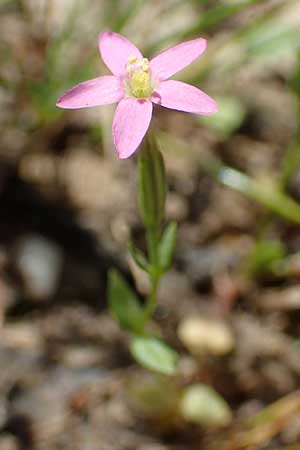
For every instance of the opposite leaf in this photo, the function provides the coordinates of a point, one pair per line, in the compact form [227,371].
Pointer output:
[124,303]
[166,247]
[138,257]
[154,354]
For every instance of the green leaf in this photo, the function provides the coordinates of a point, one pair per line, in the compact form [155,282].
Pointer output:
[273,39]
[154,354]
[124,303]
[166,248]
[218,14]
[138,257]
[264,257]
[262,191]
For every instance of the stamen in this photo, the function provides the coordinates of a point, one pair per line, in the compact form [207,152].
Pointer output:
[138,81]
[132,59]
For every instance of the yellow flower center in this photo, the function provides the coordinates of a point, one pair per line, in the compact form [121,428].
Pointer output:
[138,81]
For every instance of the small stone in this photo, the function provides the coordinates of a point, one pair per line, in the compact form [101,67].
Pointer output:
[203,405]
[286,299]
[81,356]
[21,336]
[39,261]
[205,336]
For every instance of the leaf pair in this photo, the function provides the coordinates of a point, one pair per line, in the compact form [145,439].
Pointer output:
[166,249]
[150,351]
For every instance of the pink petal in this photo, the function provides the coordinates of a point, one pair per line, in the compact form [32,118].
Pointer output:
[99,91]
[176,58]
[115,51]
[183,97]
[131,121]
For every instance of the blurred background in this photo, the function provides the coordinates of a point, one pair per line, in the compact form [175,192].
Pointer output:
[231,304]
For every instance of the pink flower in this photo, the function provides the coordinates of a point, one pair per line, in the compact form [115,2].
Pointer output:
[136,84]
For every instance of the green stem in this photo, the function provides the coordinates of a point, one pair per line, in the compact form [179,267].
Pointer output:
[152,243]
[152,235]
[152,297]
[152,189]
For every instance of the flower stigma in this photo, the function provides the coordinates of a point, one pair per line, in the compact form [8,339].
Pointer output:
[138,81]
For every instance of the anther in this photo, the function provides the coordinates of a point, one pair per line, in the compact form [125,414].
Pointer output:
[132,59]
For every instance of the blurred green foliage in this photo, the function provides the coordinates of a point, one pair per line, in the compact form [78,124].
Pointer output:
[230,117]
[264,257]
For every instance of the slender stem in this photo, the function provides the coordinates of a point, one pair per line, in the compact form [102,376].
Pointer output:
[152,242]
[152,188]
[155,275]
[152,297]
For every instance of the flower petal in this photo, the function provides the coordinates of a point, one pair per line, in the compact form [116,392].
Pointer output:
[176,58]
[115,51]
[131,121]
[99,91]
[184,97]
